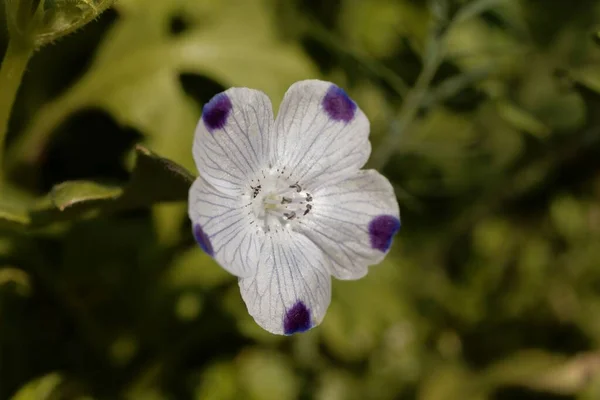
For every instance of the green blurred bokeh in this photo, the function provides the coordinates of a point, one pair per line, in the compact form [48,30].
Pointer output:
[491,290]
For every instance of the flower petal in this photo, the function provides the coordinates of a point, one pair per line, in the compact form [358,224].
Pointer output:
[354,222]
[292,288]
[232,138]
[320,134]
[222,228]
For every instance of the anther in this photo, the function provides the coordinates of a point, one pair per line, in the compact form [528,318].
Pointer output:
[256,191]
[297,187]
[290,216]
[308,208]
[309,197]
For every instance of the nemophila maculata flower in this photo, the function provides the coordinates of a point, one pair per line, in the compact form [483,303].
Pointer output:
[282,203]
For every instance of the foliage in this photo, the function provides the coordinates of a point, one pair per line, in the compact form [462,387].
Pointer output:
[485,115]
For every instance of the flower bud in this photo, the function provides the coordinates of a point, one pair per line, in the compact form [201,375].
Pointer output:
[38,22]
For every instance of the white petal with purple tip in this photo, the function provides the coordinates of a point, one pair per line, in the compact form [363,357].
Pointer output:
[320,134]
[291,290]
[353,222]
[231,143]
[222,228]
[283,204]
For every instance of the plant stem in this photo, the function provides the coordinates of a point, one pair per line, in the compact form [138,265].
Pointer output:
[412,103]
[434,55]
[13,67]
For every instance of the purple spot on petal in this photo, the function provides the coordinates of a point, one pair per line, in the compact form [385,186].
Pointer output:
[381,231]
[203,240]
[216,111]
[297,319]
[338,105]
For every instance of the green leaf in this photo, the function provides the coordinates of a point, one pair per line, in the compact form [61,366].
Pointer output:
[39,389]
[71,194]
[13,208]
[42,22]
[522,120]
[154,179]
[62,17]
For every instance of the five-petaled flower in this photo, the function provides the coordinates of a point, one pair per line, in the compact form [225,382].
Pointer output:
[282,203]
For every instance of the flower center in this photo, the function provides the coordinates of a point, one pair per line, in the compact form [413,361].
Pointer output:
[277,201]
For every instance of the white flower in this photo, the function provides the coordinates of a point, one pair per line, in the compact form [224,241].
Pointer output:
[282,203]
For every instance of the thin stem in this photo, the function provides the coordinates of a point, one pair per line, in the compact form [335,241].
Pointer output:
[13,67]
[434,55]
[412,103]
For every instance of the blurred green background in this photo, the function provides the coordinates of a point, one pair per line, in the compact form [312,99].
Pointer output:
[485,115]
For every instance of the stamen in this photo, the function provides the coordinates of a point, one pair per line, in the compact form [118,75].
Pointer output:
[277,203]
[308,208]
[256,191]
